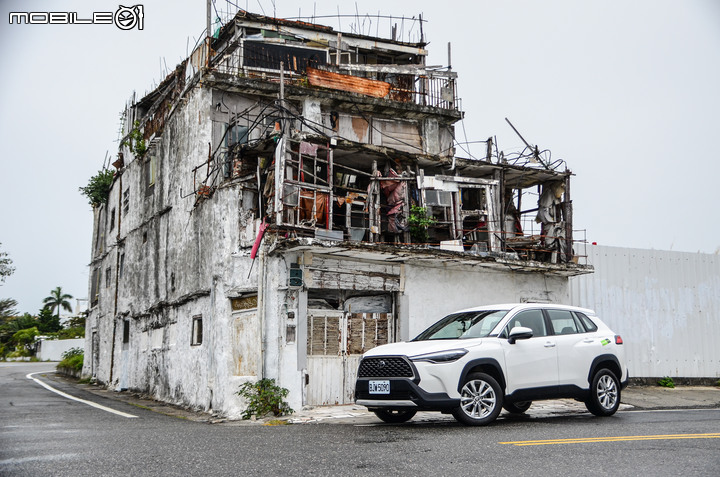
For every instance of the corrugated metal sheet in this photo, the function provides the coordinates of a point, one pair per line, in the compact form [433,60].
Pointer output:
[666,306]
[353,84]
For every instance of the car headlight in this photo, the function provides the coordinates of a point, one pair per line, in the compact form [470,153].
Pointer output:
[441,356]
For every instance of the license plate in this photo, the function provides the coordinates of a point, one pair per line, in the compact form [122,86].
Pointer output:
[379,387]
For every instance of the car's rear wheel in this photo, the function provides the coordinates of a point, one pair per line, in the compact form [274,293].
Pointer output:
[480,400]
[517,407]
[395,415]
[604,398]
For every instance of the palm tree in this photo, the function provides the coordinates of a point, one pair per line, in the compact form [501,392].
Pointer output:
[58,299]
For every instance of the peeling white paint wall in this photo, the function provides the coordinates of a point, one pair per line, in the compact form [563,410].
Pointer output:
[665,305]
[433,292]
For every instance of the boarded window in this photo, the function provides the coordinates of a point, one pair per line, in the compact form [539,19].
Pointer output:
[324,334]
[366,331]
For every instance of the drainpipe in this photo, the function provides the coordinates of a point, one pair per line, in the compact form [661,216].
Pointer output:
[114,316]
[211,330]
[261,310]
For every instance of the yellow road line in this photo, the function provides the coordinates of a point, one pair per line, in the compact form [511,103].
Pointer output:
[590,440]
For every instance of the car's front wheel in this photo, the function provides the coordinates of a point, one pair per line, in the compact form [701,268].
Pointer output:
[395,415]
[604,398]
[480,400]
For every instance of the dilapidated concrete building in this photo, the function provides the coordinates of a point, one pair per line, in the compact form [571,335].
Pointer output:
[290,197]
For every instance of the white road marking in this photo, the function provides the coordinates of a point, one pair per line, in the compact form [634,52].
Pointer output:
[89,403]
[24,460]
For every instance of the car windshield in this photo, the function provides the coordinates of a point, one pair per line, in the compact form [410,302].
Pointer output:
[471,324]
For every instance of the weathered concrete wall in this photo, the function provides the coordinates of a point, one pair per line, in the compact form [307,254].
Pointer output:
[665,305]
[433,292]
[52,350]
[179,262]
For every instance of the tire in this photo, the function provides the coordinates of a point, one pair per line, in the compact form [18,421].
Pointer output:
[604,398]
[480,400]
[517,407]
[395,416]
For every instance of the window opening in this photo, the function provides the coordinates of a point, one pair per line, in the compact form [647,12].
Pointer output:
[197,331]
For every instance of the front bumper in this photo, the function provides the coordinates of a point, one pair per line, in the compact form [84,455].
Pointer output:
[404,393]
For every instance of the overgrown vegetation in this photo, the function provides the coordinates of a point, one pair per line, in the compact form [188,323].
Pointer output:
[137,142]
[264,397]
[98,188]
[72,359]
[419,223]
[666,382]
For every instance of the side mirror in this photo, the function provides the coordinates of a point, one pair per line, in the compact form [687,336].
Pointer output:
[519,333]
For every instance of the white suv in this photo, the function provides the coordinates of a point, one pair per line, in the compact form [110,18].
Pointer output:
[475,362]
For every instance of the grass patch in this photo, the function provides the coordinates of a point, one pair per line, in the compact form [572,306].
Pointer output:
[276,422]
[666,382]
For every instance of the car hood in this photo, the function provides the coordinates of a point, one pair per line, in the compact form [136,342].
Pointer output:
[416,348]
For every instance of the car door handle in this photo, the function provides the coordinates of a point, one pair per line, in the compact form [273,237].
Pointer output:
[549,344]
[588,340]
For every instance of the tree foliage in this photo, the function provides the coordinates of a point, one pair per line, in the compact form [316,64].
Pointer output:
[98,188]
[47,322]
[6,268]
[57,300]
[7,308]
[25,337]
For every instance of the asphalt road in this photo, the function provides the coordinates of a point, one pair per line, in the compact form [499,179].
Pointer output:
[43,433]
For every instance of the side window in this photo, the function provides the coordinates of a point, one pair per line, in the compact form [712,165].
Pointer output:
[563,322]
[532,319]
[589,325]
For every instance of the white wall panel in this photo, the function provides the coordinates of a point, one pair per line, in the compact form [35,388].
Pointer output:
[666,306]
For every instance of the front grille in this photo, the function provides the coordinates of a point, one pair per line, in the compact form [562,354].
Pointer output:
[385,368]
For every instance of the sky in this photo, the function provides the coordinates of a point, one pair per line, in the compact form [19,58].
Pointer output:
[627,93]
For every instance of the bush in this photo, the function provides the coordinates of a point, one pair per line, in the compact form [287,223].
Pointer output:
[70,333]
[72,359]
[666,382]
[73,352]
[264,397]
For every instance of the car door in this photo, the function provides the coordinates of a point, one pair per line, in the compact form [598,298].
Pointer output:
[576,348]
[532,362]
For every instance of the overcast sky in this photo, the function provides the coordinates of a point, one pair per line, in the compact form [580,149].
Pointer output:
[626,92]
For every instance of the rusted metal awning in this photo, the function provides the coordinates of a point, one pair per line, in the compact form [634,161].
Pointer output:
[352,84]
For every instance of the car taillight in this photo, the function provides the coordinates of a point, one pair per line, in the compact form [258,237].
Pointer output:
[618,339]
